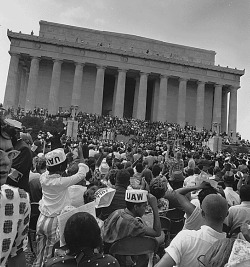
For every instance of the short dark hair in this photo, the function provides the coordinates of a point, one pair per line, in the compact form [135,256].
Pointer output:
[81,230]
[205,192]
[123,177]
[156,170]
[139,167]
[130,205]
[245,193]
[157,188]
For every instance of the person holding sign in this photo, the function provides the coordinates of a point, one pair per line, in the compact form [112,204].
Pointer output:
[55,198]
[128,223]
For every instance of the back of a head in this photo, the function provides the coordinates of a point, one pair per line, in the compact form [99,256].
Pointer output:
[156,170]
[157,188]
[131,171]
[205,192]
[197,170]
[82,231]
[190,172]
[139,167]
[215,208]
[245,193]
[123,177]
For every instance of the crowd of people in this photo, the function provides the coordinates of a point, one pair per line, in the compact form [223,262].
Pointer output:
[161,169]
[95,126]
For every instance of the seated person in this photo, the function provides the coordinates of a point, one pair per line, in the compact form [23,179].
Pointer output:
[157,189]
[128,223]
[239,214]
[194,219]
[82,236]
[231,196]
[188,245]
[118,201]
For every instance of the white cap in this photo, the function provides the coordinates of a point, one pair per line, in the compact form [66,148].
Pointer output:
[136,196]
[55,157]
[14,123]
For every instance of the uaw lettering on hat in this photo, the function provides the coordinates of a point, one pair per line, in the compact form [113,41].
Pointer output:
[136,196]
[53,161]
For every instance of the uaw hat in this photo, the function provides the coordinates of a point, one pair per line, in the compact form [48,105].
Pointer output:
[55,157]
[136,196]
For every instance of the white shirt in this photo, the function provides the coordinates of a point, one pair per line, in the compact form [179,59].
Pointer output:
[188,245]
[231,196]
[55,190]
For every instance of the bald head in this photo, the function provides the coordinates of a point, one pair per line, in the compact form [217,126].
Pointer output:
[215,208]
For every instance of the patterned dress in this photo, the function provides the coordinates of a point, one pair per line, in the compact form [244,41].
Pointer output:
[14,221]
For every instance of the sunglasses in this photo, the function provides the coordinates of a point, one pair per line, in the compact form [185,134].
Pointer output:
[10,154]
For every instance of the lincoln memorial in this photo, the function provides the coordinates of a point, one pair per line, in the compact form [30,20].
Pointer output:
[121,75]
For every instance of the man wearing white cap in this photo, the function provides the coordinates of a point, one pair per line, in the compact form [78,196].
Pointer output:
[127,222]
[55,198]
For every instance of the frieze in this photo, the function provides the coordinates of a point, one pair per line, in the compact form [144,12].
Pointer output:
[124,59]
[102,55]
[229,76]
[60,49]
[221,74]
[185,69]
[147,62]
[212,73]
[15,42]
[37,45]
[203,72]
[176,67]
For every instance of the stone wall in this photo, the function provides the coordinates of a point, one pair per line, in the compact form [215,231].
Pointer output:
[125,42]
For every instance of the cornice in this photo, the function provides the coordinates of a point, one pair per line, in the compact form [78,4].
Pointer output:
[39,39]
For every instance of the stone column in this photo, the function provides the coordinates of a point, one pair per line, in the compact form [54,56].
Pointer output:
[142,97]
[162,110]
[224,111]
[114,95]
[12,79]
[181,111]
[200,101]
[30,102]
[217,107]
[26,84]
[77,85]
[98,94]
[54,87]
[22,95]
[120,94]
[232,116]
[155,101]
[135,105]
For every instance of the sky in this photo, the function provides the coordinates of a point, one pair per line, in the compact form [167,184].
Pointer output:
[219,25]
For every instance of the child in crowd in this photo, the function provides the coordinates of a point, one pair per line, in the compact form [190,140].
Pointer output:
[55,198]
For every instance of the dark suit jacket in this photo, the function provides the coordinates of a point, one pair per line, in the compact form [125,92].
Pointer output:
[23,164]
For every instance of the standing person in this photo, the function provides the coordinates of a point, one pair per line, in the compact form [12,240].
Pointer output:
[188,245]
[14,208]
[55,198]
[22,164]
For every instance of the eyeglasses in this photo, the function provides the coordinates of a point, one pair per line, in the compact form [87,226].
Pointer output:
[10,154]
